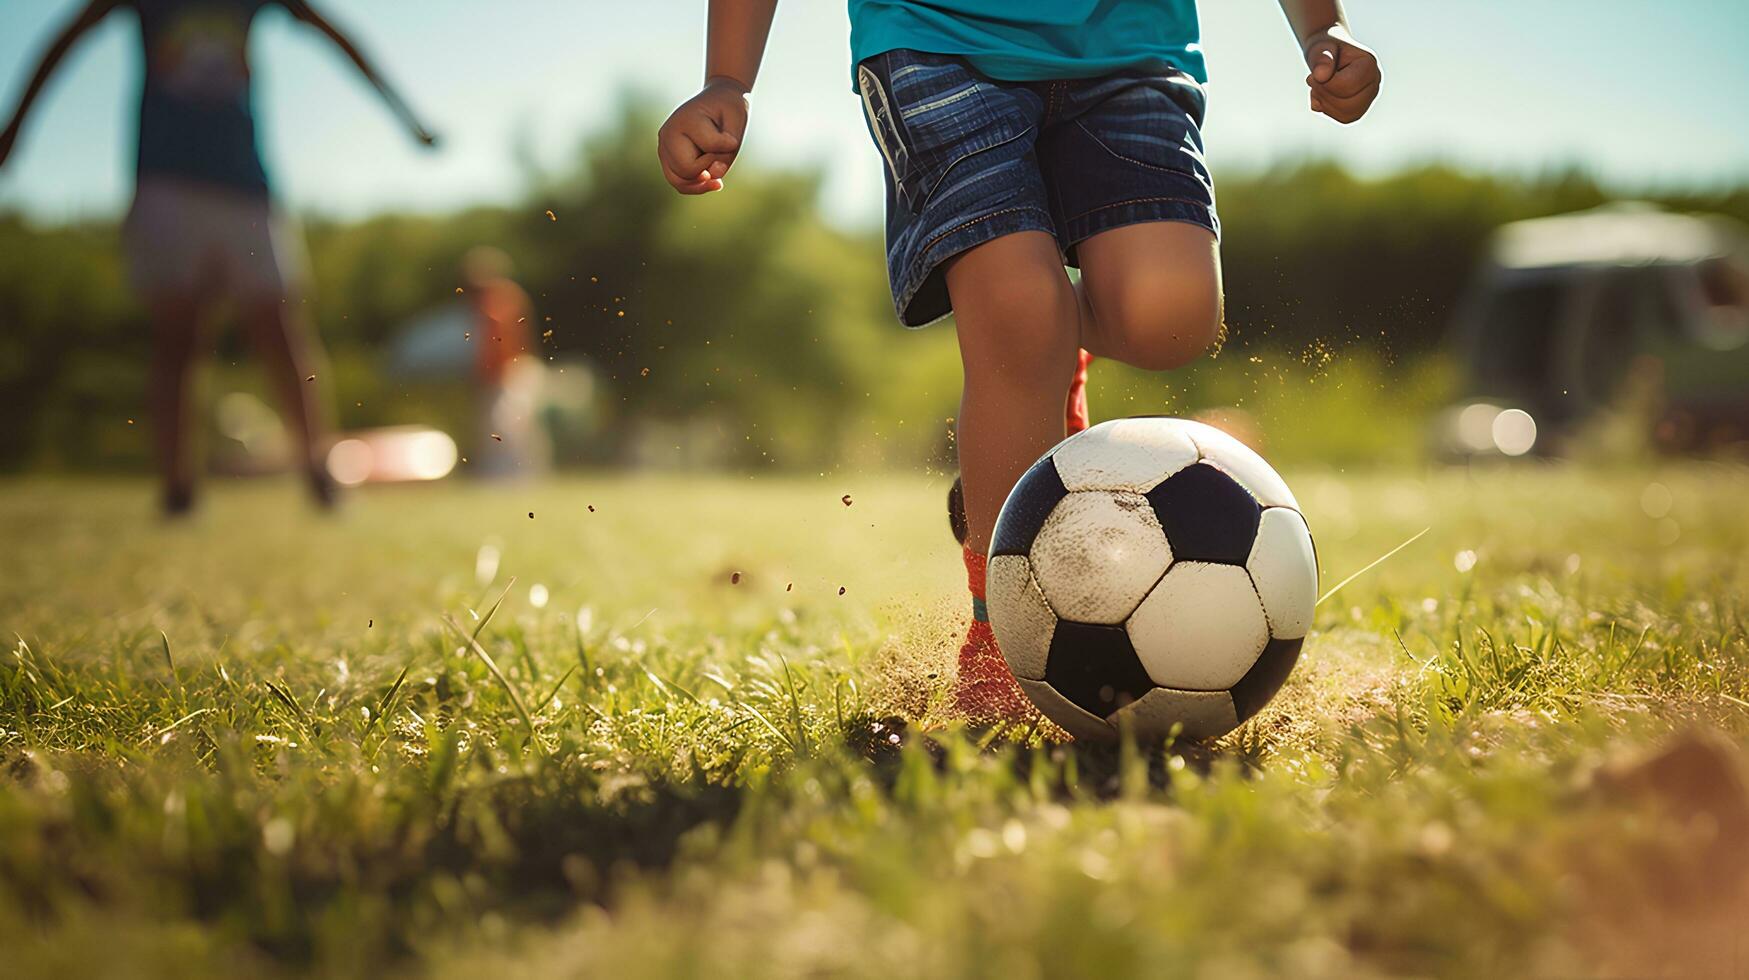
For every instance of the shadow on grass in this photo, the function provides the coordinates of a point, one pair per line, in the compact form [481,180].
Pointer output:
[312,868]
[370,874]
[1070,769]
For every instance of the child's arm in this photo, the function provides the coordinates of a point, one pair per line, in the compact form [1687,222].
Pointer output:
[699,141]
[1344,75]
[95,11]
[304,12]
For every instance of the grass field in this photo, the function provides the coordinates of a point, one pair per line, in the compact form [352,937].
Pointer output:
[253,743]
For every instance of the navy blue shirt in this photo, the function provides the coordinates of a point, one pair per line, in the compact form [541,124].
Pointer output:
[197,120]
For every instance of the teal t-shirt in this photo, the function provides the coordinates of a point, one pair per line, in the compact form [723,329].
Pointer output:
[1035,40]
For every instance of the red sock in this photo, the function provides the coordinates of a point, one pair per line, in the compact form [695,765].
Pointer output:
[986,692]
[1075,409]
[976,569]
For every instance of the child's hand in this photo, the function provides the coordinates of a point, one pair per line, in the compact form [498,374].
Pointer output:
[1345,75]
[699,141]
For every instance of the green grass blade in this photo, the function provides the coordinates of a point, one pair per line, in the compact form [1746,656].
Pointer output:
[493,611]
[1376,562]
[491,665]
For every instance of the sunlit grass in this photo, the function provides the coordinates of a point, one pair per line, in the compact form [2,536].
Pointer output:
[253,743]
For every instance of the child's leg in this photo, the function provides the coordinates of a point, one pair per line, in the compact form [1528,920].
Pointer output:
[1075,419]
[292,355]
[175,341]
[1151,293]
[1018,318]
[1018,322]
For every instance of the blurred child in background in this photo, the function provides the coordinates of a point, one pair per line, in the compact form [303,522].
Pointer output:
[204,228]
[509,441]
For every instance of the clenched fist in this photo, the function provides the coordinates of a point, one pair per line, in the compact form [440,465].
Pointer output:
[1344,75]
[698,143]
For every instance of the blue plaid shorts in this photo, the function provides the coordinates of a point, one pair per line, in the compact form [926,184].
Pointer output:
[970,159]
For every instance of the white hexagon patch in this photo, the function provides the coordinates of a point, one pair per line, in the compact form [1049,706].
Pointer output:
[1098,554]
[1285,571]
[1204,714]
[1124,454]
[1022,619]
[1201,628]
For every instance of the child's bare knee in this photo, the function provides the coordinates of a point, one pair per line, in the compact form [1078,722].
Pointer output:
[1163,323]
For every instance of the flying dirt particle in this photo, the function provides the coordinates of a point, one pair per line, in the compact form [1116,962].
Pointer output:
[458,290]
[551,215]
[841,590]
[130,421]
[547,334]
[620,313]
[369,623]
[497,438]
[789,586]
[467,335]
[734,578]
[846,499]
[310,378]
[531,515]
[591,508]
[644,373]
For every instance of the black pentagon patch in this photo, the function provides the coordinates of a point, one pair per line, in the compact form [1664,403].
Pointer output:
[1031,501]
[1207,515]
[1095,667]
[1265,677]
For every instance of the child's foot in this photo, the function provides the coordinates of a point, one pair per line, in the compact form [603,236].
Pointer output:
[177,502]
[324,490]
[986,692]
[1074,420]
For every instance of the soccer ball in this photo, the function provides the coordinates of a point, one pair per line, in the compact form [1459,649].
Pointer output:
[1147,573]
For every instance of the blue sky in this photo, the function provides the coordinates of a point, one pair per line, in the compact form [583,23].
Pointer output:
[1643,94]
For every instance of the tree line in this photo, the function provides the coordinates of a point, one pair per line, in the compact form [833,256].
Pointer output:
[746,313]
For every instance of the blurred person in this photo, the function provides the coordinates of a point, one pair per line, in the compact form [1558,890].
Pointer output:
[204,228]
[1020,137]
[507,375]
